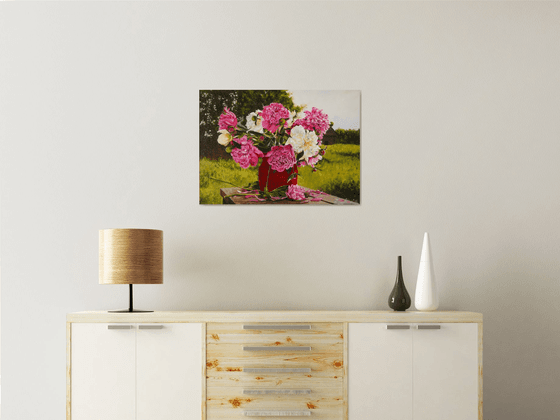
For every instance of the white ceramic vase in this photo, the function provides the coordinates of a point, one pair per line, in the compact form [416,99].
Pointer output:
[426,298]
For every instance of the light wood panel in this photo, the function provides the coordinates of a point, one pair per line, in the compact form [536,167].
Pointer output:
[277,316]
[345,361]
[219,361]
[480,371]
[226,361]
[294,380]
[68,371]
[203,402]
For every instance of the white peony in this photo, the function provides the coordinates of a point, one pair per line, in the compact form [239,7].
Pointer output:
[254,122]
[304,141]
[225,137]
[295,116]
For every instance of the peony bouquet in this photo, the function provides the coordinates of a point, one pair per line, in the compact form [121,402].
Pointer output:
[280,141]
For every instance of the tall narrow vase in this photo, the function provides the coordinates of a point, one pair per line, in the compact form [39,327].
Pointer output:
[426,289]
[399,299]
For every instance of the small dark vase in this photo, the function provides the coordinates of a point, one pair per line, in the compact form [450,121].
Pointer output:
[399,299]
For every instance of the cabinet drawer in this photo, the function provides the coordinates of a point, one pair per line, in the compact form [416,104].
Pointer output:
[315,352]
[231,340]
[311,380]
[273,370]
[232,403]
[233,331]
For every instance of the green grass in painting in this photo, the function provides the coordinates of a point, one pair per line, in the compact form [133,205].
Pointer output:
[338,175]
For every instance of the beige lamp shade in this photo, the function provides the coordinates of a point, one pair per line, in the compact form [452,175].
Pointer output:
[130,256]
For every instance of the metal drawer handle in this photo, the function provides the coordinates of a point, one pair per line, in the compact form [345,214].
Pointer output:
[429,327]
[276,391]
[276,327]
[272,413]
[298,348]
[150,327]
[398,327]
[277,370]
[119,327]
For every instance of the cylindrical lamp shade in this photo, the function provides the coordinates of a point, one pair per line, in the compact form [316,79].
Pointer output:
[130,256]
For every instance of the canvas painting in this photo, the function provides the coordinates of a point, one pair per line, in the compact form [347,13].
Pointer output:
[278,147]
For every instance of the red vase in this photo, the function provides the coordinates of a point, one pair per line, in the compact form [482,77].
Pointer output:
[275,179]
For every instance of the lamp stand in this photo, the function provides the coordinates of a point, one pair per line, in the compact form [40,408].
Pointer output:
[130,306]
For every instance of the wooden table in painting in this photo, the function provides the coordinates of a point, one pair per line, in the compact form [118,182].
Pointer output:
[325,199]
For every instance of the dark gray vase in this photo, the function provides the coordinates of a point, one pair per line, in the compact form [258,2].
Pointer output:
[399,299]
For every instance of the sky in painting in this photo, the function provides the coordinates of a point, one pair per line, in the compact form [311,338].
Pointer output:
[342,106]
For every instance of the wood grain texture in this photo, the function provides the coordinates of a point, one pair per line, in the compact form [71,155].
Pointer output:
[227,370]
[345,360]
[233,404]
[204,387]
[278,380]
[276,316]
[68,371]
[480,373]
[130,256]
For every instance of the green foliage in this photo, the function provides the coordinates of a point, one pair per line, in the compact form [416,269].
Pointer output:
[240,102]
[347,136]
[339,175]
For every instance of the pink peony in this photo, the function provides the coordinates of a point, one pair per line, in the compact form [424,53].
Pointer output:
[228,121]
[272,114]
[315,120]
[295,192]
[281,158]
[247,155]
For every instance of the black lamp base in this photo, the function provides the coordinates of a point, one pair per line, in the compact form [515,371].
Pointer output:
[130,308]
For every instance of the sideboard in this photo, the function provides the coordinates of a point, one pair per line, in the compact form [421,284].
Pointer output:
[327,365]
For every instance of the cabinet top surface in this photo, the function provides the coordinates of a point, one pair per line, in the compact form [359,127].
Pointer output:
[276,316]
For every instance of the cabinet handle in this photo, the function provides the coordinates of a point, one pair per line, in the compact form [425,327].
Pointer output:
[267,348]
[277,370]
[150,327]
[276,327]
[276,391]
[273,413]
[429,327]
[397,327]
[119,327]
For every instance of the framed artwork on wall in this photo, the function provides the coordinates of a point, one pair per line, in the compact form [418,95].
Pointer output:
[279,147]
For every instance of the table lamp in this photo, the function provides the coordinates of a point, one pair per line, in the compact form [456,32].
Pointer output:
[130,256]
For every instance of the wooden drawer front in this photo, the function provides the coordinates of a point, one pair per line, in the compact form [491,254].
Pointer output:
[281,369]
[232,403]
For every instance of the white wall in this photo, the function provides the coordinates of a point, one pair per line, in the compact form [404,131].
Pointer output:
[460,129]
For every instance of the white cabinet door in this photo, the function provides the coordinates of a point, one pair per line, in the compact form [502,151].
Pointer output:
[379,372]
[445,372]
[169,371]
[103,372]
